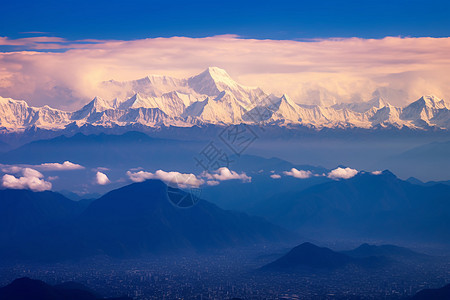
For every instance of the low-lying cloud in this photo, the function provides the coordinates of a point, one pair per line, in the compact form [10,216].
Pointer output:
[101,178]
[31,179]
[224,173]
[298,173]
[342,173]
[182,180]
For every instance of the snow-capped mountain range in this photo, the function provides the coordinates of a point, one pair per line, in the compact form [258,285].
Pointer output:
[213,97]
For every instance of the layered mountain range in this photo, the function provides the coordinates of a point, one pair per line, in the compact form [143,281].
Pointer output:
[213,97]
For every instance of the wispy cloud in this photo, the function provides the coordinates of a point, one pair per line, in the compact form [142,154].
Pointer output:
[65,166]
[309,71]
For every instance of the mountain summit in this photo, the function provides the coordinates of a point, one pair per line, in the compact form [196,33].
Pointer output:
[212,81]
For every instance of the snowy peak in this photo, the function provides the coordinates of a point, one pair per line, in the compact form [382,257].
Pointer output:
[95,106]
[135,101]
[426,106]
[212,81]
[387,114]
[218,75]
[429,101]
[285,99]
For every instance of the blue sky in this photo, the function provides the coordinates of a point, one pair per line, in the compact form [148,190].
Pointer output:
[249,19]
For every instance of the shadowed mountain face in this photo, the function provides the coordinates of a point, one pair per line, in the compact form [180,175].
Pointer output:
[26,289]
[149,222]
[23,211]
[365,206]
[133,220]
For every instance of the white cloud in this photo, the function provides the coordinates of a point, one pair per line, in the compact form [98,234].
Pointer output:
[182,180]
[275,176]
[224,173]
[140,176]
[28,172]
[298,173]
[30,179]
[101,178]
[339,173]
[377,173]
[65,166]
[334,69]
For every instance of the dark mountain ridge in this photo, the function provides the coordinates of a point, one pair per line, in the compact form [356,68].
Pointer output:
[310,257]
[135,220]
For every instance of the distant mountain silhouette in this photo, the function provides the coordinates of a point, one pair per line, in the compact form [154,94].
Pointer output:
[133,220]
[365,206]
[308,256]
[125,150]
[431,158]
[392,251]
[414,180]
[27,289]
[433,294]
[87,198]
